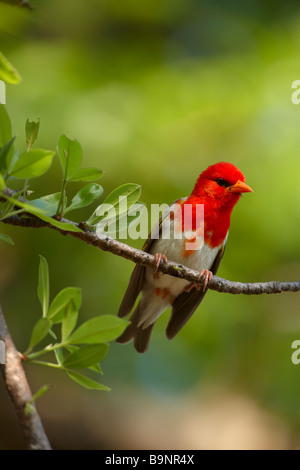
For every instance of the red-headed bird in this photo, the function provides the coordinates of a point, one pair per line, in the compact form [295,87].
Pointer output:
[218,188]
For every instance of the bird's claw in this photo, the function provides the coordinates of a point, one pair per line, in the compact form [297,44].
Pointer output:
[158,258]
[207,278]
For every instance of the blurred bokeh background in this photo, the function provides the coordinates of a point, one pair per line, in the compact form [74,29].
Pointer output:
[155,91]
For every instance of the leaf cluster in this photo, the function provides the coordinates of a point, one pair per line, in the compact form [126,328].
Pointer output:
[75,348]
[51,208]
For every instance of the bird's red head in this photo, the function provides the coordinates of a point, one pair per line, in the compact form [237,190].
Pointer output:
[219,188]
[223,183]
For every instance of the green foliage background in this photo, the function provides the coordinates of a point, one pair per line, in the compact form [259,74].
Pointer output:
[155,91]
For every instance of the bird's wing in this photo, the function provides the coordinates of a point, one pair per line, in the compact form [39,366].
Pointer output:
[187,302]
[138,275]
[156,231]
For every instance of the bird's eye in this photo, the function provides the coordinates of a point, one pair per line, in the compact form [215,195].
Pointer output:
[222,182]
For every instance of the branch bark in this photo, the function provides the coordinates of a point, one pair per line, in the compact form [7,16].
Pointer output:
[106,243]
[16,383]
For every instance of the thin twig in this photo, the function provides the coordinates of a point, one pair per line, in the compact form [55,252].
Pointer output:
[106,243]
[16,383]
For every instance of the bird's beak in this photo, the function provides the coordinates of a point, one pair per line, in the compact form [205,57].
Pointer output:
[239,187]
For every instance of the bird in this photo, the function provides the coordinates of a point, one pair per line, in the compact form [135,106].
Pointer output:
[217,190]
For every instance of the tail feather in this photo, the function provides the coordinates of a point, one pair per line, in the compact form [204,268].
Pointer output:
[141,336]
[129,333]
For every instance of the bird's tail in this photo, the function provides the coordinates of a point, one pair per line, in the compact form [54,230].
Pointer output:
[140,335]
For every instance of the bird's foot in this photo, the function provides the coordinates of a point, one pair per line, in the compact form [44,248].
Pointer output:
[158,258]
[207,278]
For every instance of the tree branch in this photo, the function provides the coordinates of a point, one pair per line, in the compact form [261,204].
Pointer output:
[106,243]
[20,394]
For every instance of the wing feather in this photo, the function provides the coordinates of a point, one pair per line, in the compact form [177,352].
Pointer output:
[138,275]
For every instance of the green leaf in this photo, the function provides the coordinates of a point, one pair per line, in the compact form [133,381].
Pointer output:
[2,183]
[12,159]
[86,174]
[56,223]
[6,238]
[85,196]
[40,392]
[57,308]
[5,151]
[99,329]
[5,126]
[129,191]
[86,356]
[32,164]
[39,332]
[69,320]
[48,203]
[94,367]
[87,382]
[70,154]
[51,333]
[41,215]
[119,200]
[29,408]
[58,352]
[7,72]
[43,285]
[71,347]
[32,132]
[6,135]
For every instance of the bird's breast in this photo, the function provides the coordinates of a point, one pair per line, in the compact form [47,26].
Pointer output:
[202,258]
